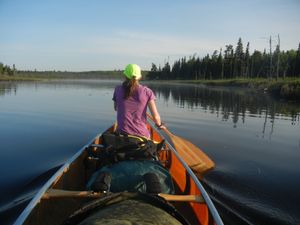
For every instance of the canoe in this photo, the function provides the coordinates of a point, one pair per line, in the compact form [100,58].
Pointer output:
[65,198]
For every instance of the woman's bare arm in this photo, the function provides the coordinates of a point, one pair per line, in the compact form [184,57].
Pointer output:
[154,112]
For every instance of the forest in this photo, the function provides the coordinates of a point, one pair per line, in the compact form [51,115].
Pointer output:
[14,74]
[6,70]
[232,63]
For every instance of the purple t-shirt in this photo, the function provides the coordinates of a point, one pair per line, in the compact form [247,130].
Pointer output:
[131,112]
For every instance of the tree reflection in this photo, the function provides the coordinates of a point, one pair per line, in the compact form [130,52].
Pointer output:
[8,88]
[230,103]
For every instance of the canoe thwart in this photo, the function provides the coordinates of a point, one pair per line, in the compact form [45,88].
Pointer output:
[59,193]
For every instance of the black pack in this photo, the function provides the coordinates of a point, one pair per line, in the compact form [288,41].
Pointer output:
[120,147]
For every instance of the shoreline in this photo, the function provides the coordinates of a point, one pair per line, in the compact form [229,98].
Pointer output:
[288,89]
[20,78]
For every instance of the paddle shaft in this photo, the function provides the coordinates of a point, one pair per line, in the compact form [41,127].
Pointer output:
[196,159]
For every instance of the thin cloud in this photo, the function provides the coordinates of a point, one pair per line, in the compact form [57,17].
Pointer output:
[146,44]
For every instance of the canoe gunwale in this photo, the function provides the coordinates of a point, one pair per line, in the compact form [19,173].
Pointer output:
[209,203]
[38,196]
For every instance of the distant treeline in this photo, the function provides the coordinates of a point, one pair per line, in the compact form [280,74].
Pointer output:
[72,75]
[13,72]
[6,70]
[232,63]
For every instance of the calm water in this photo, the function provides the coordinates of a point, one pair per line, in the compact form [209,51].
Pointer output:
[253,139]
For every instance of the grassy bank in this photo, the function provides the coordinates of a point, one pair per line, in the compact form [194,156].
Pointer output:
[21,78]
[288,88]
[50,75]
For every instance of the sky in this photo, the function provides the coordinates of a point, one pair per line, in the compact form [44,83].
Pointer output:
[84,35]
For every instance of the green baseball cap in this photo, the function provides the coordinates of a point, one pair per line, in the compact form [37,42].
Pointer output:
[133,70]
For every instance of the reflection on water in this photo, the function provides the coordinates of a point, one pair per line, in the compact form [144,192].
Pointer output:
[253,139]
[227,103]
[230,103]
[257,156]
[8,88]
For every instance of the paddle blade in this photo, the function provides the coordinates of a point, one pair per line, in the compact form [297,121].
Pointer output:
[195,158]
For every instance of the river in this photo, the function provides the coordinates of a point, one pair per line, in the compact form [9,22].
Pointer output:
[253,139]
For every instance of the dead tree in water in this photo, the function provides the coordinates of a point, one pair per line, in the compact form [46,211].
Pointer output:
[270,76]
[278,56]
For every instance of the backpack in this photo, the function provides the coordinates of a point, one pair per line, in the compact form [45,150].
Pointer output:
[119,147]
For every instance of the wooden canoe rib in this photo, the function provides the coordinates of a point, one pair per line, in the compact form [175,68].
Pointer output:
[65,192]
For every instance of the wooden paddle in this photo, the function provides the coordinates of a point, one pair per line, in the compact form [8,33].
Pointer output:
[194,157]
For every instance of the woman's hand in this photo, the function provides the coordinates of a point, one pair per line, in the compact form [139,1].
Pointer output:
[162,126]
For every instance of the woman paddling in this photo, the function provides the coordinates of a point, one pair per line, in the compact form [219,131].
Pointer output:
[131,100]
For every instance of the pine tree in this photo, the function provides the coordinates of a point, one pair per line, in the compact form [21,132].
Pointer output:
[214,65]
[247,61]
[1,68]
[228,61]
[238,58]
[257,64]
[153,74]
[297,66]
[166,71]
[276,57]
[221,64]
[176,70]
[197,68]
